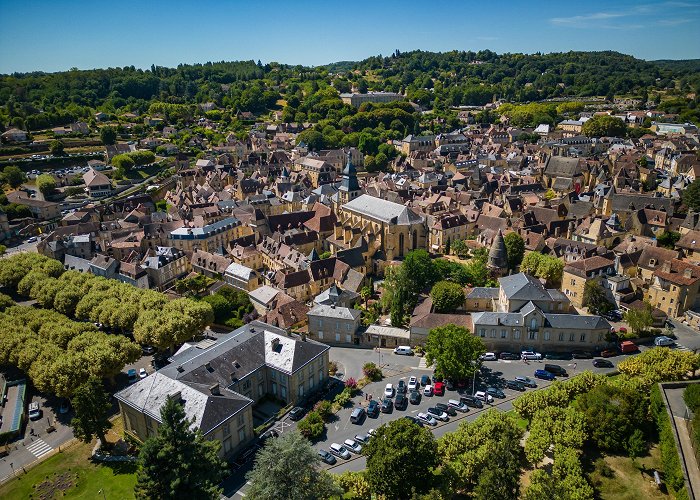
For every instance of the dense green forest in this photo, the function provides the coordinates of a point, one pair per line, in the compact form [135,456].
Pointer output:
[433,80]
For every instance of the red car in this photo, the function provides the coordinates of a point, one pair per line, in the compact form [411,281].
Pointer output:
[608,353]
[439,389]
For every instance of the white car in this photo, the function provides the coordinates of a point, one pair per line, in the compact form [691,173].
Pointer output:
[426,419]
[403,350]
[412,384]
[143,373]
[488,356]
[664,341]
[439,414]
[530,355]
[353,446]
[372,432]
[483,396]
[458,405]
[389,390]
[428,390]
[339,451]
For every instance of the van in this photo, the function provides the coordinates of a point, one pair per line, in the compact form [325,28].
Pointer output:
[628,346]
[34,411]
[556,370]
[357,415]
[403,350]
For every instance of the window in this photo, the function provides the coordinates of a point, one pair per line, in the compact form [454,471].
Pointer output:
[493,333]
[600,337]
[583,337]
[482,333]
[561,337]
[283,392]
[533,324]
[516,335]
[273,375]
[571,337]
[337,337]
[504,334]
[337,325]
[246,385]
[259,375]
[241,419]
[261,390]
[241,435]
[320,323]
[274,388]
[311,382]
[348,326]
[547,335]
[300,392]
[573,282]
[226,428]
[320,335]
[320,376]
[532,335]
[348,338]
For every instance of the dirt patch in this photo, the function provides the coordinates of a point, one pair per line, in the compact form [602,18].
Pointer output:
[55,485]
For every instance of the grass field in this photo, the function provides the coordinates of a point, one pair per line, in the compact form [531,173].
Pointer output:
[628,480]
[71,474]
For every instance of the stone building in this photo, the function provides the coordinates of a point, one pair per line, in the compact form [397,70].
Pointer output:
[498,256]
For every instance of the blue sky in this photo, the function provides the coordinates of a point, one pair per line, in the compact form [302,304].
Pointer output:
[53,35]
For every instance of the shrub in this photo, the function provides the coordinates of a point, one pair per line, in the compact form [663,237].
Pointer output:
[324,409]
[603,469]
[691,396]
[332,368]
[343,398]
[351,384]
[372,372]
[311,426]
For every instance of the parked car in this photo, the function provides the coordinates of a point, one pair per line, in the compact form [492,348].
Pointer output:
[447,409]
[544,375]
[296,413]
[471,401]
[401,387]
[425,380]
[389,390]
[526,381]
[357,416]
[372,432]
[457,405]
[339,451]
[387,405]
[483,396]
[428,390]
[34,411]
[401,402]
[326,457]
[65,406]
[530,355]
[602,363]
[414,397]
[353,446]
[438,414]
[663,341]
[148,350]
[608,353]
[488,356]
[362,438]
[515,385]
[496,392]
[557,355]
[439,388]
[449,384]
[373,408]
[557,370]
[412,383]
[627,346]
[414,420]
[403,350]
[426,419]
[143,373]
[132,375]
[582,355]
[509,355]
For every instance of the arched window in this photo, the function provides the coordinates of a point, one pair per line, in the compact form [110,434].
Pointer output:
[533,324]
[401,243]
[415,240]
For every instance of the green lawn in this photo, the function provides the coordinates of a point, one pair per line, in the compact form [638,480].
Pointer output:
[522,423]
[71,474]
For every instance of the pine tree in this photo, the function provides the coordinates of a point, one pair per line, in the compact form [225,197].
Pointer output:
[179,462]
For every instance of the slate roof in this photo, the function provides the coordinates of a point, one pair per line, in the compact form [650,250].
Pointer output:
[383,210]
[482,293]
[562,166]
[522,286]
[327,311]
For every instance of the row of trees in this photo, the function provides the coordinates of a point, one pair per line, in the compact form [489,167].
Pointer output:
[153,319]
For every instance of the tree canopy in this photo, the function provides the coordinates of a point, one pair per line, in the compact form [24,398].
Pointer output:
[288,467]
[447,296]
[515,248]
[178,462]
[454,350]
[604,126]
[401,446]
[92,408]
[542,266]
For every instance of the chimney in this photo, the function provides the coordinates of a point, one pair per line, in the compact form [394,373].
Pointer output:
[688,273]
[666,267]
[214,389]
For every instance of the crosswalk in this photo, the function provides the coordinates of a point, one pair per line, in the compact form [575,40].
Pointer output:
[39,448]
